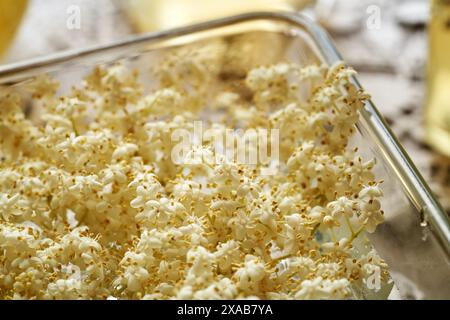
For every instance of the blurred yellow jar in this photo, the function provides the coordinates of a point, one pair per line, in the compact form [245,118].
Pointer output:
[437,112]
[149,15]
[11,12]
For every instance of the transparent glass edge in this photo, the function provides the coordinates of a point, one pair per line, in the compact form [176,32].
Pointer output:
[417,189]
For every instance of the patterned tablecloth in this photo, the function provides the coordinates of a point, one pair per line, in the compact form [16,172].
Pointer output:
[386,42]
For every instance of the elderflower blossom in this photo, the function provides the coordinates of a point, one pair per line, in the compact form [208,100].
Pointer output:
[93,207]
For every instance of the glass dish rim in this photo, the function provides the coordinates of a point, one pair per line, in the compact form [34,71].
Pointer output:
[415,186]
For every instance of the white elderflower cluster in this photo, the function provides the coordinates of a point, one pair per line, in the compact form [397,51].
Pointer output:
[93,207]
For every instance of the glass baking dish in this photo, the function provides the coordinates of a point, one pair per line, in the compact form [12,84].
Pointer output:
[415,238]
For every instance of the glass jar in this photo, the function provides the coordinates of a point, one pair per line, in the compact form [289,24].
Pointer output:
[11,12]
[151,15]
[437,112]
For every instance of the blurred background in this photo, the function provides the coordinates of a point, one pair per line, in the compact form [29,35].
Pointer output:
[399,47]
